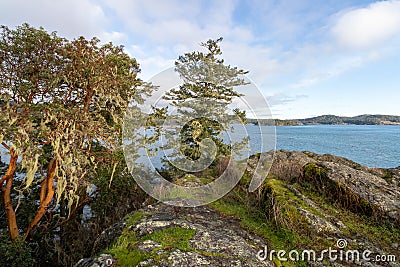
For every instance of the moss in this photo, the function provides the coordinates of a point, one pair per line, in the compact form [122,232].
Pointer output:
[172,238]
[128,258]
[315,178]
[387,175]
[313,171]
[127,254]
[384,232]
[284,204]
[135,217]
[256,222]
[214,254]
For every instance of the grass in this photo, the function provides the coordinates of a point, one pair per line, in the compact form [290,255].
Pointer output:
[172,238]
[383,232]
[273,215]
[290,230]
[126,252]
[125,248]
[135,217]
[254,221]
[257,223]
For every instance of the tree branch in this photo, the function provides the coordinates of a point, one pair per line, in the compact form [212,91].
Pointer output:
[6,194]
[6,146]
[46,196]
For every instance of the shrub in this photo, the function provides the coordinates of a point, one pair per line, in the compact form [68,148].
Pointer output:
[15,254]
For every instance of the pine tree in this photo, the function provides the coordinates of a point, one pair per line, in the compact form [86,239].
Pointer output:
[202,106]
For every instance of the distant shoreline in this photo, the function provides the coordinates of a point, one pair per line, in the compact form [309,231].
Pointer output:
[332,120]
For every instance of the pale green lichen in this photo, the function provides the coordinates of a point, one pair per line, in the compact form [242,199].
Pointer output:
[31,165]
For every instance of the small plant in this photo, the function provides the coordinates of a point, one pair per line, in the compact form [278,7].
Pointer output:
[387,175]
[15,254]
[126,252]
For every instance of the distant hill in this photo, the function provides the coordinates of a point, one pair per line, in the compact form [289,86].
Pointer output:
[332,119]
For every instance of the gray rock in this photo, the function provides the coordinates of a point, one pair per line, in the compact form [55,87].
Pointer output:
[221,241]
[218,241]
[104,260]
[365,182]
[148,245]
[372,188]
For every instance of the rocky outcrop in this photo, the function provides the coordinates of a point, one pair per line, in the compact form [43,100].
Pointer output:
[163,235]
[216,240]
[369,184]
[372,188]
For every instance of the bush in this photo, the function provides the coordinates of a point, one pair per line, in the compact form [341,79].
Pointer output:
[15,254]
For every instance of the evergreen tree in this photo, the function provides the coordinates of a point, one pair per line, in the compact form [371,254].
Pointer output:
[202,107]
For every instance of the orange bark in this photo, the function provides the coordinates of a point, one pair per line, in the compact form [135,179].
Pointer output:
[6,194]
[46,195]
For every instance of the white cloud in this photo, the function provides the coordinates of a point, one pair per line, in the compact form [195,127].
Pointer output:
[173,23]
[282,99]
[259,60]
[286,45]
[369,26]
[116,37]
[70,19]
[153,65]
[338,65]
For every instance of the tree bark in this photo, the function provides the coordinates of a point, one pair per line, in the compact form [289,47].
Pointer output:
[46,195]
[6,194]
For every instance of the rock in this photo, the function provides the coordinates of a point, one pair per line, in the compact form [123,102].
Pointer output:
[319,224]
[148,245]
[217,240]
[104,260]
[108,236]
[366,183]
[374,189]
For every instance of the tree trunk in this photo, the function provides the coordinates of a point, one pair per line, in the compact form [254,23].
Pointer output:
[6,194]
[46,195]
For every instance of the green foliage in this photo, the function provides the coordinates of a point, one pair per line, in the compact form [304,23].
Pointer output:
[112,199]
[387,175]
[312,171]
[63,101]
[383,232]
[125,248]
[273,213]
[255,220]
[173,238]
[253,217]
[15,254]
[59,98]
[203,98]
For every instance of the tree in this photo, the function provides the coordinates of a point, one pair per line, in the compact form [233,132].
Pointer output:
[203,102]
[60,100]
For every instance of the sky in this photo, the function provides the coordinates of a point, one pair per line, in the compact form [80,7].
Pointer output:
[307,57]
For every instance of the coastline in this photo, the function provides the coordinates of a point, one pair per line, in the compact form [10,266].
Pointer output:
[365,119]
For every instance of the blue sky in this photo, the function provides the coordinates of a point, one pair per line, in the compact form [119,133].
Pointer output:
[307,57]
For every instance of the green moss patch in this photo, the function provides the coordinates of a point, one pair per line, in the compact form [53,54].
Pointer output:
[126,251]
[315,177]
[172,238]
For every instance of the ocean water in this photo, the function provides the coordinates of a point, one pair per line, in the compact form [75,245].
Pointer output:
[369,145]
